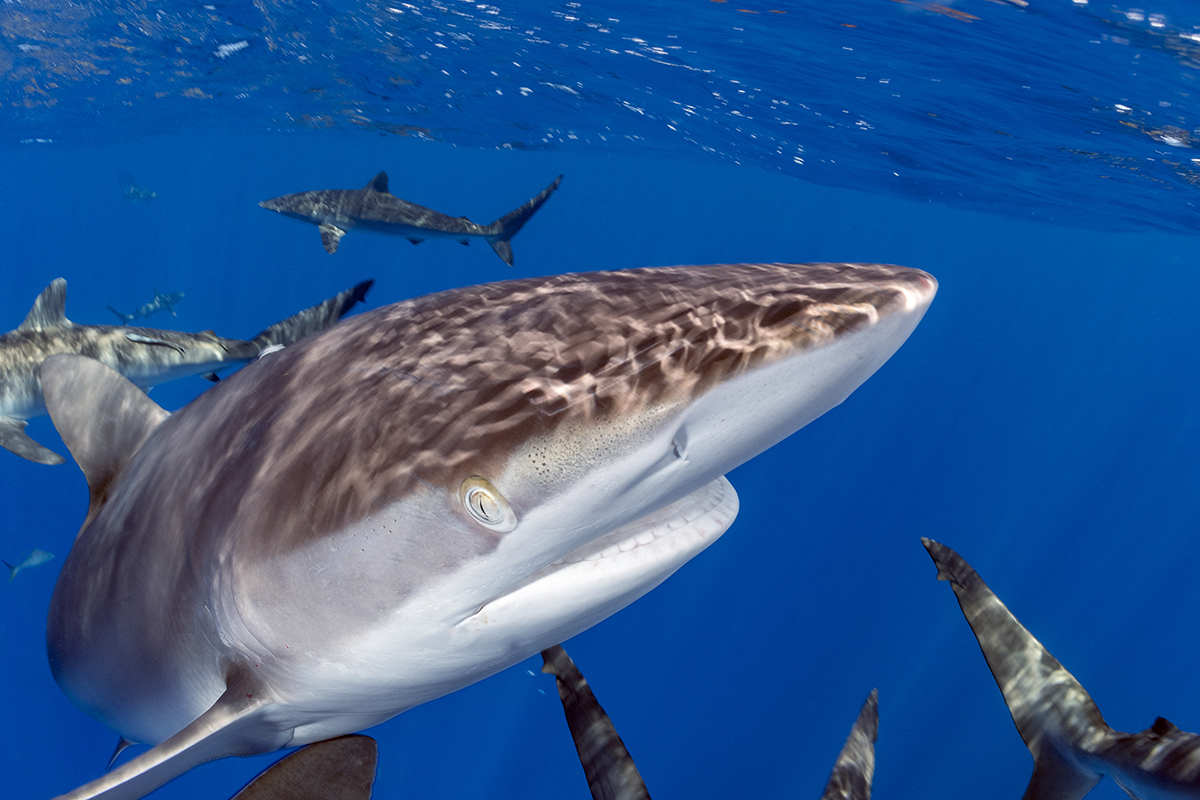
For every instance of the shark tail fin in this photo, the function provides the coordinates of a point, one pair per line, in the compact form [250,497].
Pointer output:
[507,226]
[610,771]
[335,769]
[311,320]
[854,769]
[221,731]
[1051,710]
[102,418]
[125,318]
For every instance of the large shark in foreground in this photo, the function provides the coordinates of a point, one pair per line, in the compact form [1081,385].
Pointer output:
[427,493]
[612,775]
[1072,746]
[146,356]
[374,208]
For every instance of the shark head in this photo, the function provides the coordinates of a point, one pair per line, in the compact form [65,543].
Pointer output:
[430,492]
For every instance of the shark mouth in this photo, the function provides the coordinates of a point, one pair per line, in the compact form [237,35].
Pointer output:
[610,572]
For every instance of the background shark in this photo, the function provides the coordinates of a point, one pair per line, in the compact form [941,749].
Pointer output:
[427,493]
[373,208]
[145,356]
[1072,746]
[612,775]
[161,302]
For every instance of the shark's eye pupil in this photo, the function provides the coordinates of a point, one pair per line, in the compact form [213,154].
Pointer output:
[486,505]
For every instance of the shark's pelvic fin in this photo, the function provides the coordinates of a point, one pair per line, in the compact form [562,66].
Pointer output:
[854,769]
[49,310]
[311,320]
[508,225]
[331,236]
[14,439]
[216,733]
[610,771]
[335,769]
[101,416]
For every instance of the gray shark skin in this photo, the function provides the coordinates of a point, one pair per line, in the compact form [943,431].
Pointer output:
[1072,746]
[161,302]
[607,765]
[612,775]
[427,493]
[373,208]
[854,769]
[335,769]
[145,356]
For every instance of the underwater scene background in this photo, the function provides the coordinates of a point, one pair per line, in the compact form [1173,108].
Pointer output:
[1042,420]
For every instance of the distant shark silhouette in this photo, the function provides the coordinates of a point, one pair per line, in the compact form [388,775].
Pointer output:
[1072,746]
[161,302]
[373,208]
[145,356]
[612,775]
[427,493]
[34,559]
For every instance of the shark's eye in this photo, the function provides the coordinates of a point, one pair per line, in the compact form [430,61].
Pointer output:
[486,505]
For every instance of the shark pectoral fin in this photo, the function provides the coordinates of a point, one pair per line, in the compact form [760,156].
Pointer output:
[101,416]
[221,731]
[49,310]
[335,769]
[854,769]
[331,236]
[140,339]
[610,771]
[1057,778]
[14,439]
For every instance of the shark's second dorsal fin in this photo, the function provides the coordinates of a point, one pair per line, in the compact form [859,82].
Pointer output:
[378,183]
[102,417]
[49,310]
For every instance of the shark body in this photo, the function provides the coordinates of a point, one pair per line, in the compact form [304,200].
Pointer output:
[373,208]
[264,569]
[161,302]
[1072,746]
[146,356]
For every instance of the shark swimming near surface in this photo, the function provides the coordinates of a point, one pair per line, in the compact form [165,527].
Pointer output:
[612,775]
[427,493]
[146,356]
[1072,746]
[374,208]
[161,302]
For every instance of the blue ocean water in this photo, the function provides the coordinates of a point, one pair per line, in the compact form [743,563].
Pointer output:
[1042,420]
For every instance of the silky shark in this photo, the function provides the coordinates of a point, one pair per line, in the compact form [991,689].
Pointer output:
[427,493]
[374,208]
[1072,746]
[334,769]
[612,775]
[146,356]
[161,302]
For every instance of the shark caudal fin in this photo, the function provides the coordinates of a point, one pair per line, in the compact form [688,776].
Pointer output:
[854,769]
[311,320]
[102,417]
[610,771]
[221,731]
[335,769]
[1054,714]
[125,318]
[507,226]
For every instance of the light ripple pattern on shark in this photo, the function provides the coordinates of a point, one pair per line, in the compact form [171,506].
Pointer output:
[373,208]
[388,511]
[1072,746]
[146,356]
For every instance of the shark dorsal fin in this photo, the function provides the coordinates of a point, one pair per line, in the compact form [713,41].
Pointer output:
[102,418]
[379,182]
[49,310]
